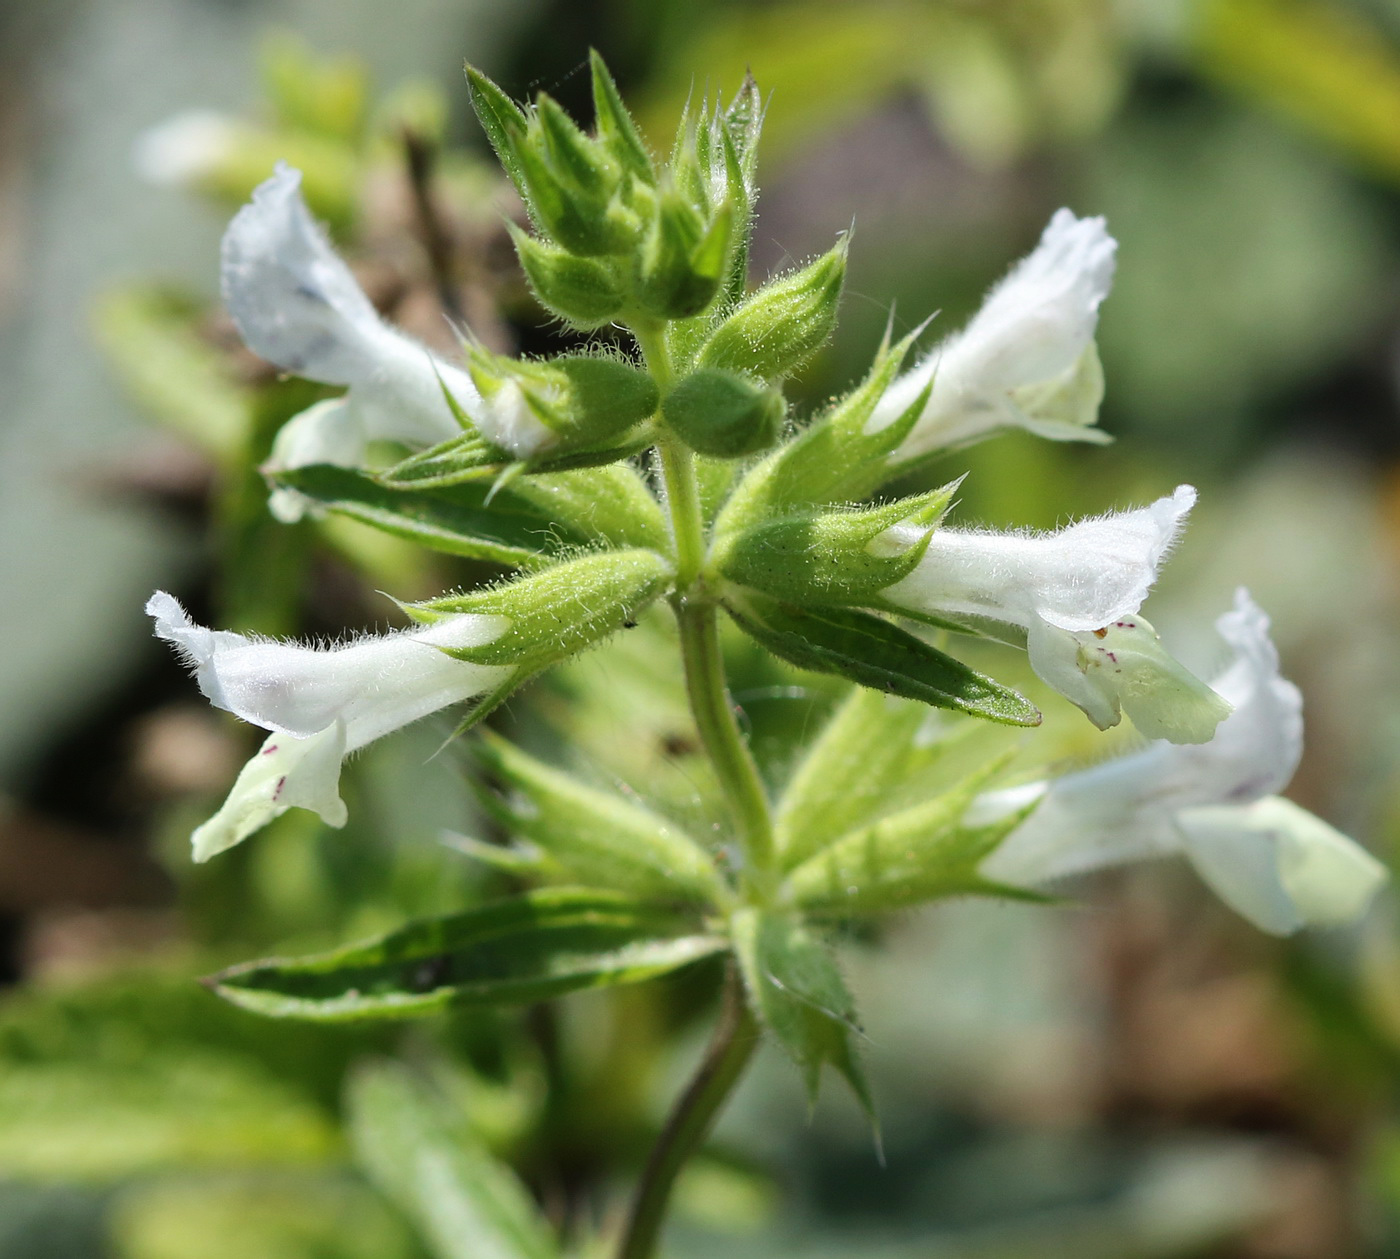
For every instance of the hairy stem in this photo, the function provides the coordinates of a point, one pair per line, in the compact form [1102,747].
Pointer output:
[735,1039]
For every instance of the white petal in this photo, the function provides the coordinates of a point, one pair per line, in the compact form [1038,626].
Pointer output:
[297,304]
[1279,865]
[1033,330]
[373,686]
[286,772]
[185,147]
[1131,807]
[1082,577]
[1124,668]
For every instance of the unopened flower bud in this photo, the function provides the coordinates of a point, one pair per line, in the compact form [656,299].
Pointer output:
[780,327]
[723,415]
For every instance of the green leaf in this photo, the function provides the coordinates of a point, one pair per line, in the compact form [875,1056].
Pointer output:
[874,754]
[526,948]
[614,123]
[921,854]
[872,651]
[798,994]
[596,837]
[457,519]
[465,1204]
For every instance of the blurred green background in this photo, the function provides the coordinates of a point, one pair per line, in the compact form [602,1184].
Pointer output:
[1133,1075]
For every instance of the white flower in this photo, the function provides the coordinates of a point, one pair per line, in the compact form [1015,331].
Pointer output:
[298,306]
[1273,862]
[1026,359]
[320,704]
[185,147]
[1075,593]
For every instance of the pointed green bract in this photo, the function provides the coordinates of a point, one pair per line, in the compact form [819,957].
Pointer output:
[833,460]
[780,327]
[504,122]
[872,758]
[527,948]
[797,993]
[595,838]
[464,1202]
[844,557]
[872,651]
[614,123]
[559,611]
[921,854]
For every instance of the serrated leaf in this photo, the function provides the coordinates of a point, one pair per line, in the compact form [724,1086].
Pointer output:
[874,754]
[798,994]
[465,1203]
[456,519]
[878,654]
[594,837]
[920,854]
[526,948]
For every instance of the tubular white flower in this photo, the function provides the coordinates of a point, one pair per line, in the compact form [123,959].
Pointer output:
[1026,359]
[1273,862]
[1075,593]
[320,704]
[297,305]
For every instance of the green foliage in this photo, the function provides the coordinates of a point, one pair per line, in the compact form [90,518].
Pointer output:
[596,838]
[455,519]
[919,854]
[523,949]
[798,994]
[872,651]
[875,755]
[465,1204]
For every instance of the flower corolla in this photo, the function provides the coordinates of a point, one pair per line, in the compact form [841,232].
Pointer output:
[297,305]
[1075,595]
[320,704]
[1027,358]
[1273,862]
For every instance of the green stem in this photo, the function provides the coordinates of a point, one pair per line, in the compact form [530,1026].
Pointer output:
[719,732]
[699,627]
[735,1039]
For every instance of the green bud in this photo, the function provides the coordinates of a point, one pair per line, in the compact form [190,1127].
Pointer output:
[583,291]
[558,612]
[583,399]
[683,259]
[720,414]
[780,327]
[572,184]
[615,126]
[842,557]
